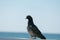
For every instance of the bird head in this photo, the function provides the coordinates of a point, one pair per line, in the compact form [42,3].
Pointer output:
[29,17]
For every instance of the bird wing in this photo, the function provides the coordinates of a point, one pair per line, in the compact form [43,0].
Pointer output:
[35,30]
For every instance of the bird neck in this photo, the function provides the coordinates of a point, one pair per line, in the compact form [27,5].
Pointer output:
[30,22]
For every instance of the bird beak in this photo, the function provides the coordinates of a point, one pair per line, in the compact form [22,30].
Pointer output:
[25,18]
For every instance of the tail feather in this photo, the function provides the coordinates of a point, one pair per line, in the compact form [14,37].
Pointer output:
[41,36]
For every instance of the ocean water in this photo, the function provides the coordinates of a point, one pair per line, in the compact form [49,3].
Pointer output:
[26,35]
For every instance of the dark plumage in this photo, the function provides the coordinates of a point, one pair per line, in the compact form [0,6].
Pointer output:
[32,29]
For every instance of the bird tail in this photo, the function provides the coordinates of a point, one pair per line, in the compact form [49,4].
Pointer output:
[42,37]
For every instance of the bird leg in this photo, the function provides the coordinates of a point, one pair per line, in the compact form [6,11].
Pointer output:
[33,37]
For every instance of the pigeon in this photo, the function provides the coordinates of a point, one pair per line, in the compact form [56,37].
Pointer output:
[33,30]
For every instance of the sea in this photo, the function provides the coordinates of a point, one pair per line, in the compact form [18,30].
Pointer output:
[11,35]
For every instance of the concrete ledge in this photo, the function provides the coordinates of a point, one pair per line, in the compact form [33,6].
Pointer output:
[23,39]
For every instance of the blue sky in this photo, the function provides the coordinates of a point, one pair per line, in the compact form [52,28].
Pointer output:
[46,15]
